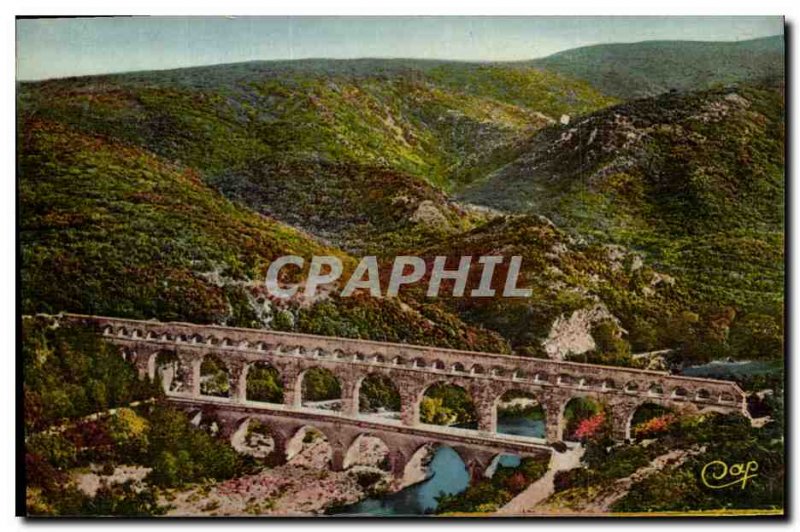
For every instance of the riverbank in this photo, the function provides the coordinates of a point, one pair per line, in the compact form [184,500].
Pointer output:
[302,487]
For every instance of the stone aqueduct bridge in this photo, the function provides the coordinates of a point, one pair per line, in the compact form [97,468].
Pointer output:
[413,369]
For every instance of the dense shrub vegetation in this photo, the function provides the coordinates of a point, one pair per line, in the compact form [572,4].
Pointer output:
[636,70]
[679,488]
[691,182]
[72,373]
[445,404]
[487,495]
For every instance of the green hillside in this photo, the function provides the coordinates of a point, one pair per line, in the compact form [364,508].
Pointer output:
[144,195]
[260,131]
[108,228]
[633,305]
[636,70]
[692,181]
[441,122]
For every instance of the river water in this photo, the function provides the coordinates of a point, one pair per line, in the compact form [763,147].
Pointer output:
[447,474]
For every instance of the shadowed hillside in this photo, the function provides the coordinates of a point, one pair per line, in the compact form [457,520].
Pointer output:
[260,131]
[111,229]
[649,68]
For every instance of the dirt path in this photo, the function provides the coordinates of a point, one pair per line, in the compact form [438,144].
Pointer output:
[605,498]
[543,488]
[620,488]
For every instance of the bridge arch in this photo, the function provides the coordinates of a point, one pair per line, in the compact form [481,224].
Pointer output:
[702,394]
[415,459]
[215,377]
[309,435]
[263,383]
[256,438]
[448,402]
[376,393]
[679,393]
[631,387]
[520,412]
[128,354]
[174,373]
[319,388]
[497,461]
[367,449]
[608,384]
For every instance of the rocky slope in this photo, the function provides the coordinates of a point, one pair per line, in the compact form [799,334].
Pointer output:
[694,182]
[144,195]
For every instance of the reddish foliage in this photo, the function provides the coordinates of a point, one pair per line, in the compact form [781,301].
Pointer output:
[590,427]
[89,435]
[516,482]
[651,427]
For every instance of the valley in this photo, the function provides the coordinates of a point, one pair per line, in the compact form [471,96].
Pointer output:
[645,203]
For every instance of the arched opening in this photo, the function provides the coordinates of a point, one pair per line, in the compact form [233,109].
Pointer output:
[449,405]
[650,420]
[214,377]
[368,451]
[207,421]
[378,396]
[680,394]
[264,384]
[503,461]
[195,416]
[253,438]
[446,471]
[631,387]
[128,355]
[608,384]
[585,419]
[309,447]
[521,414]
[320,389]
[168,369]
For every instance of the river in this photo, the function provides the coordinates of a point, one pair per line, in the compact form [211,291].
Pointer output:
[447,474]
